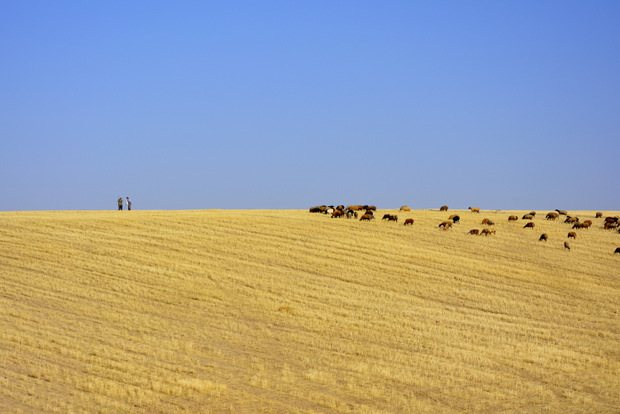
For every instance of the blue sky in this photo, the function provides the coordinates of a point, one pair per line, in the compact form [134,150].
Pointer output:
[280,104]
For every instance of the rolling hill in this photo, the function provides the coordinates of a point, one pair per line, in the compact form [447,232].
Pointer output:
[285,311]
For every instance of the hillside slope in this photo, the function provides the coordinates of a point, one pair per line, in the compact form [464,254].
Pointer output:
[288,311]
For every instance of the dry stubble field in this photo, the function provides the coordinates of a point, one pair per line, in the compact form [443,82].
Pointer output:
[285,311]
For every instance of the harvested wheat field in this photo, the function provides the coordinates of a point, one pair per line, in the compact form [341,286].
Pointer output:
[285,311]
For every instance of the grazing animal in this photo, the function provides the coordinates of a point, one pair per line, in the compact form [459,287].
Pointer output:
[570,219]
[572,235]
[446,225]
[552,215]
[490,223]
[610,225]
[409,221]
[588,223]
[443,208]
[405,208]
[367,217]
[529,225]
[338,213]
[528,217]
[513,218]
[390,217]
[474,209]
[617,250]
[562,212]
[533,213]
[582,225]
[543,237]
[316,209]
[599,215]
[474,232]
[354,207]
[351,213]
[566,245]
[485,221]
[486,232]
[455,218]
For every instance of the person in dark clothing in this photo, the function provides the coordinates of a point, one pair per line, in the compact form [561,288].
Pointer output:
[120,203]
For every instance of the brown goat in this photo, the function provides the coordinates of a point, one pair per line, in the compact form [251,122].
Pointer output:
[409,221]
[446,225]
[443,208]
[513,218]
[474,232]
[543,237]
[581,225]
[390,217]
[474,209]
[529,225]
[572,235]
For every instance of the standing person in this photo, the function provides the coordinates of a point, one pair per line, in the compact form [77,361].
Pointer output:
[120,203]
[128,204]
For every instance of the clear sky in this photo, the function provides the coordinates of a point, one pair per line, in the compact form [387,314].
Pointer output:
[291,104]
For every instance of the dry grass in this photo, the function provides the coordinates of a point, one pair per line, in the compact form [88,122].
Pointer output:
[287,311]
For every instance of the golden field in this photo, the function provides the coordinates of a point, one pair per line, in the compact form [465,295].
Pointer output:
[284,311]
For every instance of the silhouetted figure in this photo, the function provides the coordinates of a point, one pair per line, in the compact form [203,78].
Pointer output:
[128,204]
[120,203]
